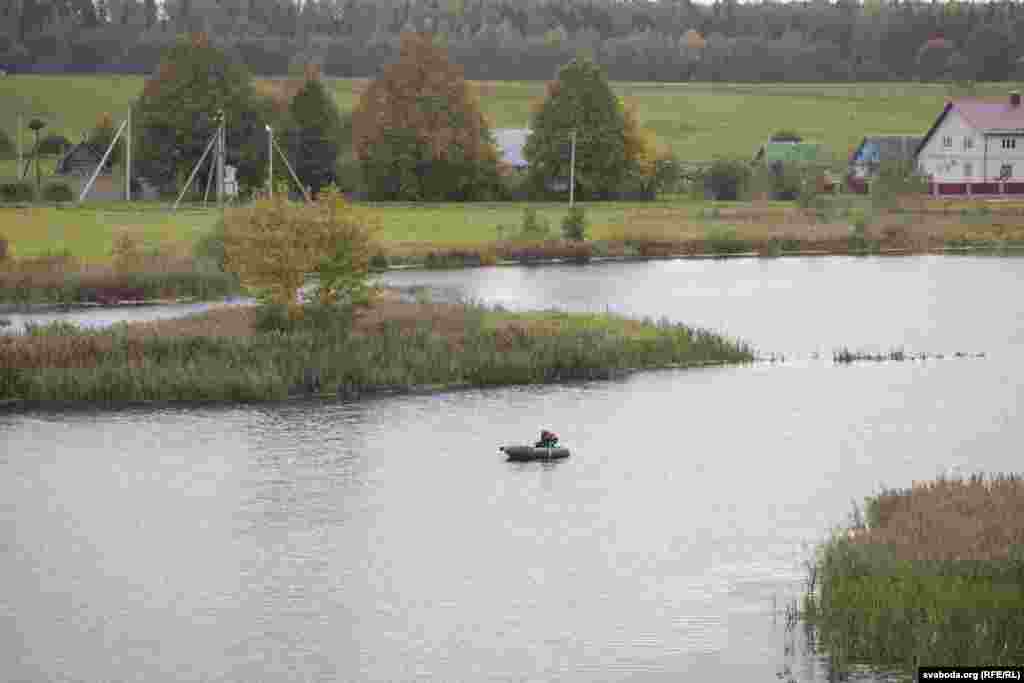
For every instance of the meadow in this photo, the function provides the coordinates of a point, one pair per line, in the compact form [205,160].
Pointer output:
[699,121]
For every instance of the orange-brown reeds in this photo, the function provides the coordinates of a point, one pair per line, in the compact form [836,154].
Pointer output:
[949,519]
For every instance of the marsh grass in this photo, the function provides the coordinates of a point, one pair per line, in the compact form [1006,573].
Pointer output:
[221,355]
[933,574]
[63,279]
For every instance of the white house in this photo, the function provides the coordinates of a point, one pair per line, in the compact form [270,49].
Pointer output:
[975,147]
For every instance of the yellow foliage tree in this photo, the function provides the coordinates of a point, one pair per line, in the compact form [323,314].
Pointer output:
[643,150]
[273,244]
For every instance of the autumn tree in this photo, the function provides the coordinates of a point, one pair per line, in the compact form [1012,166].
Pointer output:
[651,166]
[274,243]
[418,130]
[177,114]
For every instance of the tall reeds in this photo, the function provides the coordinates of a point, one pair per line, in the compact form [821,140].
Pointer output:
[403,346]
[930,575]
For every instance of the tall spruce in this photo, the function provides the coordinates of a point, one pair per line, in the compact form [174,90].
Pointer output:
[317,133]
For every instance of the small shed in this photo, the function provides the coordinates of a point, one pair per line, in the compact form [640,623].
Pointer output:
[875,150]
[776,152]
[81,160]
[510,143]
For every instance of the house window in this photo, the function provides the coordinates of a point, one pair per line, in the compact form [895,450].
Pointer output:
[1006,172]
[968,143]
[968,169]
[1009,143]
[947,141]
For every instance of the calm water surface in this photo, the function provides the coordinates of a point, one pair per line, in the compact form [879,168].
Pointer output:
[387,540]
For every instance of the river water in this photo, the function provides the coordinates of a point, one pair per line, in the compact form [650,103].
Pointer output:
[387,540]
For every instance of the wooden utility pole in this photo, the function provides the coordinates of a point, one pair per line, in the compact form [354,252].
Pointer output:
[572,170]
[128,159]
[20,159]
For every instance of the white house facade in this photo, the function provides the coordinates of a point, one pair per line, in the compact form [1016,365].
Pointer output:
[975,147]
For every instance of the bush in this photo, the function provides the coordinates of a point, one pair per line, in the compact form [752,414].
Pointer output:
[728,179]
[895,180]
[7,149]
[274,243]
[722,239]
[53,144]
[17,191]
[574,225]
[210,248]
[58,192]
[3,248]
[787,182]
[534,227]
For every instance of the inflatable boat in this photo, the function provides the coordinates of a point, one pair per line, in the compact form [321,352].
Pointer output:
[523,453]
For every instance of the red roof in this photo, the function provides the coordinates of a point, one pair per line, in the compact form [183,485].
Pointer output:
[991,114]
[984,115]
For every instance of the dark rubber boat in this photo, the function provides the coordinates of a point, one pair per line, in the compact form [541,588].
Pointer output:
[524,453]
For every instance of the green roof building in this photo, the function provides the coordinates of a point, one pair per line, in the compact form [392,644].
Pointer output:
[802,153]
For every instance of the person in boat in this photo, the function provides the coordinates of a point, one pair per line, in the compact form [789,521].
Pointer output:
[547,439]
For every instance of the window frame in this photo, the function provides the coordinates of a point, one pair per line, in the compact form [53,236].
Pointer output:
[947,142]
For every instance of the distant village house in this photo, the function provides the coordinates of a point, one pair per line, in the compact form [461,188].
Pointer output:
[975,147]
[876,150]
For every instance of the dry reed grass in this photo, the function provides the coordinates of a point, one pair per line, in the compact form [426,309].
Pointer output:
[949,519]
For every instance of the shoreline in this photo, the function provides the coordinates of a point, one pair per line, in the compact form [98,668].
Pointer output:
[7,308]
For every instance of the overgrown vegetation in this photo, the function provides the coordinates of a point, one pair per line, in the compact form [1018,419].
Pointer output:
[419,132]
[17,191]
[274,244]
[931,575]
[245,353]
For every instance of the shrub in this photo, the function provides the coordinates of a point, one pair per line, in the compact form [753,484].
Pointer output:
[722,239]
[7,149]
[3,248]
[787,182]
[274,243]
[58,192]
[210,247]
[17,191]
[895,180]
[574,225]
[534,227]
[728,179]
[53,144]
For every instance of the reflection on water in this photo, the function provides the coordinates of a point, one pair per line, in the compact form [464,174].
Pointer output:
[390,540]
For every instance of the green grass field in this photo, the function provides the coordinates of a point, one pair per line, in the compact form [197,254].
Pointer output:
[700,121]
[88,232]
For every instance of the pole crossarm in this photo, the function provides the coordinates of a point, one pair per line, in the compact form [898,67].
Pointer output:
[99,166]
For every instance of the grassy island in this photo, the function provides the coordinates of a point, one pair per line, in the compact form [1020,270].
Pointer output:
[929,576]
[238,353]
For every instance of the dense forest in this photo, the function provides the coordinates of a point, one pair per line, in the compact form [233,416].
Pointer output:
[659,40]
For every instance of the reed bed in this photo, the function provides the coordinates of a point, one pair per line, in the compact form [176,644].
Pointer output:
[64,279]
[930,575]
[224,355]
[846,356]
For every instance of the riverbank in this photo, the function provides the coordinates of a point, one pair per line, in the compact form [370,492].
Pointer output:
[255,354]
[930,575]
[465,235]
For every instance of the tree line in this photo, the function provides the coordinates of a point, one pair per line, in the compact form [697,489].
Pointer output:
[662,40]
